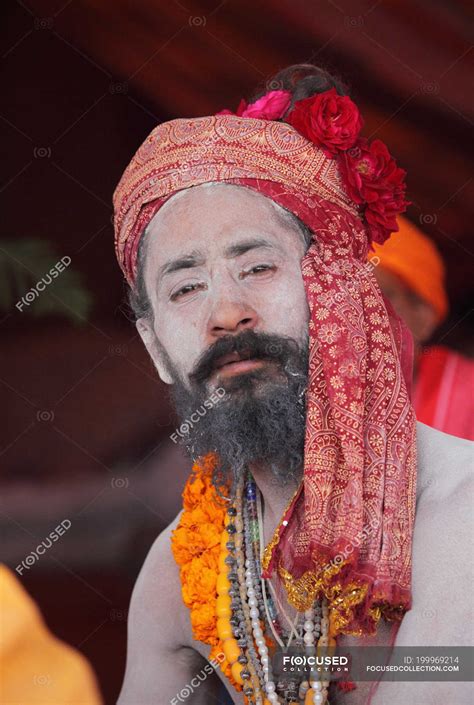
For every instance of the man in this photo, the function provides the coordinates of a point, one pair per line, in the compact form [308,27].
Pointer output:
[244,239]
[411,274]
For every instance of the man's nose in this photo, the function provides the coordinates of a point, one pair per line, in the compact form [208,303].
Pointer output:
[231,317]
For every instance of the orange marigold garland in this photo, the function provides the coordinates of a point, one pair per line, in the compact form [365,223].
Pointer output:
[196,547]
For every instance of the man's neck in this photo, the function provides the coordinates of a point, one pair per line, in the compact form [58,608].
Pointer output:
[276,496]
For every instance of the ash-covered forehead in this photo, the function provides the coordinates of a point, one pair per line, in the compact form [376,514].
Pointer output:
[138,296]
[283,217]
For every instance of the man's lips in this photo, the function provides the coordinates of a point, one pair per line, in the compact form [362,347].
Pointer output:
[232,368]
[233,363]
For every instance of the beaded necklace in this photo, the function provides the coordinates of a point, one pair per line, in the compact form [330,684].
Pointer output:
[247,614]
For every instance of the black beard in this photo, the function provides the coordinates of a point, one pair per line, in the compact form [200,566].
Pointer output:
[252,417]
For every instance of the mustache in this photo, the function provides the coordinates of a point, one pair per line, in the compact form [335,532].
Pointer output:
[248,345]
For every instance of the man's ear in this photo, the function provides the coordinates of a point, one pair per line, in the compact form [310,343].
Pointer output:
[426,320]
[148,336]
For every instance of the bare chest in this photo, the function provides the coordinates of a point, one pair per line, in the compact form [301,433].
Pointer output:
[435,618]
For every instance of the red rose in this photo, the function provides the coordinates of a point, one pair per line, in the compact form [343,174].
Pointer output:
[371,177]
[329,120]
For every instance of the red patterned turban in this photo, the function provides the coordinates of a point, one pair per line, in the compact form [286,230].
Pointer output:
[347,532]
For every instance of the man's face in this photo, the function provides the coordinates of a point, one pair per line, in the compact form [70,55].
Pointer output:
[222,272]
[221,260]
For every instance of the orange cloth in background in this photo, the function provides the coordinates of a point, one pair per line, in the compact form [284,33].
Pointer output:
[35,667]
[412,256]
[444,392]
[444,386]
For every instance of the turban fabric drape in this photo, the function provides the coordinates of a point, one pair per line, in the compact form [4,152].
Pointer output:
[347,532]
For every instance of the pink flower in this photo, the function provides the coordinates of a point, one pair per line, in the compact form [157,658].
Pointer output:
[270,106]
[239,111]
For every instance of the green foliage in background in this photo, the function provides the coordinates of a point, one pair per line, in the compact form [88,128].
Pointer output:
[23,263]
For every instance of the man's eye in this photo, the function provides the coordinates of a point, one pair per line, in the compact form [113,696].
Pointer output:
[186,289]
[258,269]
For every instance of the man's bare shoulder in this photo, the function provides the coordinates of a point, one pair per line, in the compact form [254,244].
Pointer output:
[159,664]
[445,492]
[445,463]
[157,592]
[443,538]
[442,574]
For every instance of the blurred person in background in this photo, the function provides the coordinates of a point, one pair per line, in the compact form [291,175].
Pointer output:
[411,273]
[36,668]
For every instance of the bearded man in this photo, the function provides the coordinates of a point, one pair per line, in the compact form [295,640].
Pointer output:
[244,239]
